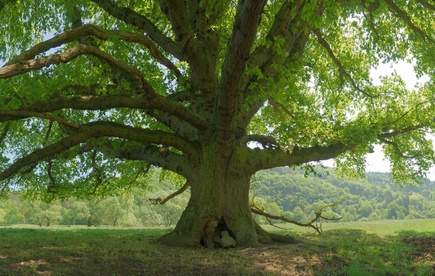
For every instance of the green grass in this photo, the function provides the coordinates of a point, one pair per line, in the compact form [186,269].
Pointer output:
[379,227]
[29,250]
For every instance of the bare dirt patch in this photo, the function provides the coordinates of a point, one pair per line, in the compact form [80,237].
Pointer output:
[283,260]
[425,249]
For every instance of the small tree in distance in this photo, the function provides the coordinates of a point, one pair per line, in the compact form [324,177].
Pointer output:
[93,92]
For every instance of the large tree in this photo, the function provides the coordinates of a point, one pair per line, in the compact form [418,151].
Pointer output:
[93,92]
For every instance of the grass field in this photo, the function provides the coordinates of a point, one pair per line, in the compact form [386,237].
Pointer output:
[365,248]
[379,227]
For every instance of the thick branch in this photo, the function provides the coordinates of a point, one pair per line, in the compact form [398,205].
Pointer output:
[96,130]
[199,47]
[8,115]
[154,155]
[131,17]
[276,157]
[178,15]
[156,102]
[93,30]
[289,33]
[244,33]
[264,140]
[180,127]
[24,66]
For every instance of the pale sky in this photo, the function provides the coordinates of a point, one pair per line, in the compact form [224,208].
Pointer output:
[376,162]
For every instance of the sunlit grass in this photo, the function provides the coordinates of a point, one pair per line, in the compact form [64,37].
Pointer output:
[379,227]
[362,248]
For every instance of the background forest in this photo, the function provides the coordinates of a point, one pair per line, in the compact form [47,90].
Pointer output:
[281,191]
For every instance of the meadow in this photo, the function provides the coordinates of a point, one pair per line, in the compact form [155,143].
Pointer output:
[405,247]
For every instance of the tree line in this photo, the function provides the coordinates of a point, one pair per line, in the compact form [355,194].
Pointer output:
[279,191]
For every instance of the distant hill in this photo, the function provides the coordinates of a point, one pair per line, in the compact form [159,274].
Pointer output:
[374,197]
[280,191]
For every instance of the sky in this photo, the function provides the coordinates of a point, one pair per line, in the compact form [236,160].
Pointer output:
[376,162]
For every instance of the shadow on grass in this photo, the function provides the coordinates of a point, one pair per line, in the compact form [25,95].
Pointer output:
[136,252]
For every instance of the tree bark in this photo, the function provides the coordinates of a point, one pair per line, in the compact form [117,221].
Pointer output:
[219,202]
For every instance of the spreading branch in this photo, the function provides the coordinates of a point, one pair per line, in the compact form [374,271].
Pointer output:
[156,102]
[131,17]
[24,66]
[289,32]
[244,33]
[157,156]
[96,130]
[276,157]
[93,30]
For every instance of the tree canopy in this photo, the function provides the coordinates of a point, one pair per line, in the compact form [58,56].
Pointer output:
[94,92]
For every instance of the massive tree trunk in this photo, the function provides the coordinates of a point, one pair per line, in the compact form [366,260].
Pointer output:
[219,202]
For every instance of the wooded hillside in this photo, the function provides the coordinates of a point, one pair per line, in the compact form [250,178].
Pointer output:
[280,191]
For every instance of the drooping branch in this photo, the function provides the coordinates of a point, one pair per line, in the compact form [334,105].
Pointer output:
[396,148]
[93,30]
[244,32]
[97,130]
[408,21]
[341,69]
[313,223]
[163,200]
[131,17]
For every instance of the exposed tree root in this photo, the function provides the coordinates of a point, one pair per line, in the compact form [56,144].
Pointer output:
[265,237]
[178,239]
[212,236]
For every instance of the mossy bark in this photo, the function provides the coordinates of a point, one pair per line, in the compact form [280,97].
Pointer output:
[219,196]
